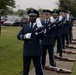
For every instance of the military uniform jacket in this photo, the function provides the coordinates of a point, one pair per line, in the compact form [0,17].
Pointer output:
[71,21]
[57,30]
[68,21]
[64,28]
[48,35]
[31,47]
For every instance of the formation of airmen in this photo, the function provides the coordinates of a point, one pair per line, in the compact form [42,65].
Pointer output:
[40,35]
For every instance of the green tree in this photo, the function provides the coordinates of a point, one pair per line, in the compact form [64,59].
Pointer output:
[68,4]
[73,8]
[21,12]
[28,9]
[64,4]
[6,4]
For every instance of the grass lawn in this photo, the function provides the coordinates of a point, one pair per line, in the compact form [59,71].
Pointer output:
[74,69]
[10,51]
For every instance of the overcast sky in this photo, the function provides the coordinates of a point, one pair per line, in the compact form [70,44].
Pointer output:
[46,4]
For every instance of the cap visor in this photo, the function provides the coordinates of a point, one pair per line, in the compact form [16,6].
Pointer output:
[32,14]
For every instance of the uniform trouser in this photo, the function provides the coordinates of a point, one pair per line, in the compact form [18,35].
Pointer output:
[63,40]
[59,45]
[50,49]
[67,38]
[37,64]
[70,34]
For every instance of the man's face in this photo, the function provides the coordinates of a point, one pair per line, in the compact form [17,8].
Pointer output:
[55,16]
[32,18]
[63,14]
[47,16]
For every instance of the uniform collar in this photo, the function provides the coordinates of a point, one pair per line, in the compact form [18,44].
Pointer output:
[46,20]
[33,24]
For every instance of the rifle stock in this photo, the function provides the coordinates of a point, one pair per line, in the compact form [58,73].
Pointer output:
[50,68]
[57,69]
[64,58]
[71,47]
[68,52]
[74,39]
[73,42]
[61,70]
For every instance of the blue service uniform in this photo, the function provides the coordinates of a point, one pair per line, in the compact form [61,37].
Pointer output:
[48,44]
[70,28]
[64,31]
[57,36]
[31,49]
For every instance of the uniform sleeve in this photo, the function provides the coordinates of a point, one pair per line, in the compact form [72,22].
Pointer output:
[20,35]
[68,17]
[60,18]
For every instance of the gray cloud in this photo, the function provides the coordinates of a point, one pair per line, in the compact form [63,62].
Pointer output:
[47,4]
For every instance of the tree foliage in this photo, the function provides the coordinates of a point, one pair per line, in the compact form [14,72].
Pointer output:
[5,4]
[68,4]
[64,4]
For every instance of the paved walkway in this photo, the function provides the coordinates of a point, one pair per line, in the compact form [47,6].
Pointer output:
[61,64]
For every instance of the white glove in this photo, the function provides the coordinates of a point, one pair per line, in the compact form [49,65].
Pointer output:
[51,19]
[60,18]
[27,36]
[68,17]
[38,22]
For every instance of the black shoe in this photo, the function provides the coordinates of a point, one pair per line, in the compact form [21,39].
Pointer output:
[60,58]
[70,42]
[67,46]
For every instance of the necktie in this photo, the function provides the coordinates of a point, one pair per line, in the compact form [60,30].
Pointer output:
[31,25]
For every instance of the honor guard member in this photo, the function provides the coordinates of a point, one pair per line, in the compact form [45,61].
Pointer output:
[32,47]
[64,29]
[57,31]
[71,20]
[48,40]
[67,24]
